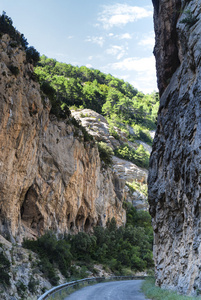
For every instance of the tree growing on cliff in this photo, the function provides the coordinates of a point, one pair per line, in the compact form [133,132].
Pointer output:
[32,55]
[6,27]
[105,153]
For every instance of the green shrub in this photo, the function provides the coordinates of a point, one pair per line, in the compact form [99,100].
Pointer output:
[140,156]
[83,246]
[49,271]
[15,70]
[4,269]
[105,153]
[6,26]
[32,55]
[51,251]
[21,288]
[114,133]
[32,285]
[138,186]
[124,247]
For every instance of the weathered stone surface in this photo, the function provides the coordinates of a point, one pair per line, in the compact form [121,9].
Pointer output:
[49,178]
[98,127]
[23,269]
[175,165]
[126,171]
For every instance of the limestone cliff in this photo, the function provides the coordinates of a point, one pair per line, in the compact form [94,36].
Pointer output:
[126,171]
[49,177]
[175,165]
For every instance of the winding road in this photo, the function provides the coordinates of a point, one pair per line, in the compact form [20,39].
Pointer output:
[115,290]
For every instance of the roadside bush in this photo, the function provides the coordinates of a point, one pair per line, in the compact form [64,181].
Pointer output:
[49,271]
[51,251]
[83,246]
[127,247]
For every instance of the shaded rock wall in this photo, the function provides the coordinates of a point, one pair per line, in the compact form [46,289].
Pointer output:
[175,165]
[49,178]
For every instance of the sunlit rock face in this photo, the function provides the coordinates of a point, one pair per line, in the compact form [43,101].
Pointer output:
[126,171]
[49,177]
[175,165]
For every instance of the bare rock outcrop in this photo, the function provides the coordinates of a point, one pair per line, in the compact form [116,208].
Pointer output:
[175,165]
[49,177]
[98,127]
[126,171]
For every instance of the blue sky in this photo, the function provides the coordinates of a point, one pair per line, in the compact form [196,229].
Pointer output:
[113,36]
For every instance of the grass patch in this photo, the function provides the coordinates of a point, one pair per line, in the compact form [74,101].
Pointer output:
[155,293]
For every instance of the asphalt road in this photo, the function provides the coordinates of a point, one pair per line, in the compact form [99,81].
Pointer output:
[115,290]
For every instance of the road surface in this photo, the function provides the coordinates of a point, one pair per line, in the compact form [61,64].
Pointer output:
[115,290]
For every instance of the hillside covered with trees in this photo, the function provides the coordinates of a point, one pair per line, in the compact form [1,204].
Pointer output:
[117,100]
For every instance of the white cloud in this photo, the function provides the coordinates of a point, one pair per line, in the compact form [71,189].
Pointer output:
[144,72]
[99,40]
[135,63]
[118,51]
[125,36]
[148,41]
[88,65]
[121,14]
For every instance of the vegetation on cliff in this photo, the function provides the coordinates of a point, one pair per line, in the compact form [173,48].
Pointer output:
[118,101]
[6,27]
[4,269]
[114,98]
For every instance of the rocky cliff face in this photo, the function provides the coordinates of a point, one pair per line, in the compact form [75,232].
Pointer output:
[49,177]
[175,165]
[126,171]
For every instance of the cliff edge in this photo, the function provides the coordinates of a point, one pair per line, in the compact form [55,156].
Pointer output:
[175,164]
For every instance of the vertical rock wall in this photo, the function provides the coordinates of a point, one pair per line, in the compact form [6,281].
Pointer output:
[175,165]
[49,178]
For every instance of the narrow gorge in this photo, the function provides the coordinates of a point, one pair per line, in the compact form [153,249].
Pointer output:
[175,164]
[65,174]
